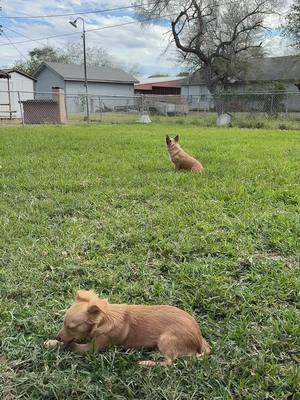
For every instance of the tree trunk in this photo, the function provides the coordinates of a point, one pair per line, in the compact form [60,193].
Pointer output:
[219,103]
[215,88]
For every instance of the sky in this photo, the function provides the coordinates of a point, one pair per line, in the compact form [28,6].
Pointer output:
[132,44]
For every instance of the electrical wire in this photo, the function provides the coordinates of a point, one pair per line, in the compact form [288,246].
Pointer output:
[77,33]
[13,44]
[71,14]
[22,34]
[27,16]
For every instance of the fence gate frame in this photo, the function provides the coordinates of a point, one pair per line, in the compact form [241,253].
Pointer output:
[10,112]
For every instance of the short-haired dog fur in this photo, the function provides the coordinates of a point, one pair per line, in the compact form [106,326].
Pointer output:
[171,329]
[180,158]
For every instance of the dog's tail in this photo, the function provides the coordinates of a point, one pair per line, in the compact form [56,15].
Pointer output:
[204,348]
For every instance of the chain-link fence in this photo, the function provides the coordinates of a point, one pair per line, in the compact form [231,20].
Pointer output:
[278,110]
[111,109]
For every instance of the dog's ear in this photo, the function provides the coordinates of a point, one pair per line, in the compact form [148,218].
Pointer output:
[94,310]
[176,138]
[168,140]
[85,295]
[97,307]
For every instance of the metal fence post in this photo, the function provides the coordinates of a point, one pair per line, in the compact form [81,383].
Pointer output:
[143,103]
[66,107]
[272,100]
[100,109]
[21,109]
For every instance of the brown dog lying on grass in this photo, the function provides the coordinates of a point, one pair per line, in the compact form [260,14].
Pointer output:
[180,158]
[170,329]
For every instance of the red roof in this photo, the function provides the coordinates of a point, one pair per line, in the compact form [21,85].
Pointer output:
[164,84]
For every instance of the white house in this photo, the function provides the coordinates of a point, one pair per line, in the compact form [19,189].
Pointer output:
[262,75]
[13,84]
[103,83]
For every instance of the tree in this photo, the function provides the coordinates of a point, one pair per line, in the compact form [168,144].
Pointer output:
[158,75]
[37,56]
[72,53]
[133,69]
[292,26]
[216,37]
[96,56]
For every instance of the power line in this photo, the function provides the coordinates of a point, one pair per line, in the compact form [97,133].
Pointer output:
[43,38]
[27,16]
[22,34]
[12,44]
[71,14]
[80,13]
[78,33]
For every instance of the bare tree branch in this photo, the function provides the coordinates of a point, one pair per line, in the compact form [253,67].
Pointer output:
[214,36]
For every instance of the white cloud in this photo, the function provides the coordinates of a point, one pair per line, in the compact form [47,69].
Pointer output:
[129,43]
[277,46]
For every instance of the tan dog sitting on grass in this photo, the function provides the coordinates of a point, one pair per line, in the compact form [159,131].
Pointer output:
[170,329]
[180,158]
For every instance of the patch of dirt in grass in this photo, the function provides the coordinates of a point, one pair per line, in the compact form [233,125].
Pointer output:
[7,375]
[249,260]
[246,263]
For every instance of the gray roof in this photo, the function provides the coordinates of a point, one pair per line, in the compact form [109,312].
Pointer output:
[262,69]
[75,72]
[10,70]
[3,74]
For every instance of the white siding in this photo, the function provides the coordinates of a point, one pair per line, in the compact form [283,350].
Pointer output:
[198,97]
[100,89]
[194,90]
[17,83]
[100,95]
[293,100]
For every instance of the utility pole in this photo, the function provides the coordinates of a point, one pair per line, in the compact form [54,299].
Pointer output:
[74,23]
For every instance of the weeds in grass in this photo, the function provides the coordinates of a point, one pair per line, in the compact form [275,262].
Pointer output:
[102,208]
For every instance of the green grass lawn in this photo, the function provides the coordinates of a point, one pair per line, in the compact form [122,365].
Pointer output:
[101,207]
[282,121]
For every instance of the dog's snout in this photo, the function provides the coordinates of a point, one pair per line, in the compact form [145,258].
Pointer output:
[64,337]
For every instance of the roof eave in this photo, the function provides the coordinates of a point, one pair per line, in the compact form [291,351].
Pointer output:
[97,80]
[243,81]
[10,70]
[65,78]
[43,66]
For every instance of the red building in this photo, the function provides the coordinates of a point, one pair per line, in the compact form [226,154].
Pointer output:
[159,86]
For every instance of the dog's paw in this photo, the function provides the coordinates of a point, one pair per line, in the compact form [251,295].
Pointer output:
[49,344]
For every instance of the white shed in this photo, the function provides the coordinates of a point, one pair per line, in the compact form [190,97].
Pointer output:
[12,83]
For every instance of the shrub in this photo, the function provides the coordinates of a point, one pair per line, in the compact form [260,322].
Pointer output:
[282,126]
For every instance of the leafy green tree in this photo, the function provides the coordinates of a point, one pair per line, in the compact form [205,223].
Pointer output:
[71,54]
[37,56]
